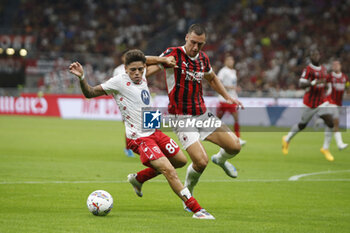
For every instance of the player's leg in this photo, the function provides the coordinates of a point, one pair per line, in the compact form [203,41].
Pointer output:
[139,146]
[190,142]
[230,147]
[164,166]
[169,148]
[236,128]
[337,134]
[199,159]
[220,111]
[236,124]
[128,152]
[328,120]
[338,137]
[305,118]
[179,160]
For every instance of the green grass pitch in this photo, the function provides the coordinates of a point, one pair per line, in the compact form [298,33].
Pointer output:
[49,166]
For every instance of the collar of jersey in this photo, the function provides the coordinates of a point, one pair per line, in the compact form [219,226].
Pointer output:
[318,68]
[192,58]
[336,75]
[136,83]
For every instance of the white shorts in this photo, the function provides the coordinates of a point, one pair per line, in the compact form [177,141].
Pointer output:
[335,110]
[190,134]
[321,110]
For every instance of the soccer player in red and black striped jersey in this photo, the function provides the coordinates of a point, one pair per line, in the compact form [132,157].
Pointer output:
[314,81]
[339,82]
[184,85]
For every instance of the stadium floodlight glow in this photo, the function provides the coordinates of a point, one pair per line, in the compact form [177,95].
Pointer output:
[10,51]
[23,52]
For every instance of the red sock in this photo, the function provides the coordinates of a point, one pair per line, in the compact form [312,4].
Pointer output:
[193,205]
[237,129]
[146,174]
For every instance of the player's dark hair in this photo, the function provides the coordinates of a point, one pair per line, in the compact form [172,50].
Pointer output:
[227,55]
[313,50]
[197,28]
[124,52]
[134,55]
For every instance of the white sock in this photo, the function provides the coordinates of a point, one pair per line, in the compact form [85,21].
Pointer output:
[338,138]
[327,137]
[222,156]
[293,131]
[192,177]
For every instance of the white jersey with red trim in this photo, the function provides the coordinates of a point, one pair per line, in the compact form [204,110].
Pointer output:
[228,78]
[130,98]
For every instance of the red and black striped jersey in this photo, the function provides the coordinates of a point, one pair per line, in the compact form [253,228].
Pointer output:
[338,82]
[315,95]
[184,83]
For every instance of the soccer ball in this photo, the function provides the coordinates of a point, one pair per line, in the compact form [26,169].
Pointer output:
[100,203]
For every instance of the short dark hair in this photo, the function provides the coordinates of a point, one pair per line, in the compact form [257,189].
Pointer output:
[134,55]
[124,52]
[227,55]
[313,50]
[198,29]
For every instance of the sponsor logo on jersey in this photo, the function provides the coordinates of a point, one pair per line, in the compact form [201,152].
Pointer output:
[145,96]
[193,76]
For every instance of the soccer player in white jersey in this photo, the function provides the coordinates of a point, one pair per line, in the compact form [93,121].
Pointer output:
[120,69]
[228,77]
[131,93]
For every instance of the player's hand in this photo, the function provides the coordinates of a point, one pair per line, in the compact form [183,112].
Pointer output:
[77,69]
[170,61]
[235,101]
[317,81]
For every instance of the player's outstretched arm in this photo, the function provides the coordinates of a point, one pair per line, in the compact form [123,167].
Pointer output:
[152,69]
[304,83]
[168,61]
[153,62]
[89,92]
[215,83]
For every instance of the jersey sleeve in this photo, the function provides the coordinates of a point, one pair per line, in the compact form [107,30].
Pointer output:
[305,74]
[167,53]
[207,67]
[112,85]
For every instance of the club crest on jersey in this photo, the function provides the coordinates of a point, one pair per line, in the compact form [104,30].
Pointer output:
[145,96]
[156,149]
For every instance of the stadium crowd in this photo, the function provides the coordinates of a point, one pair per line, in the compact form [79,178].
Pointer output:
[269,39]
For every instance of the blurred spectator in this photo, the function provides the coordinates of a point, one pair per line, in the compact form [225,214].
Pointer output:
[269,39]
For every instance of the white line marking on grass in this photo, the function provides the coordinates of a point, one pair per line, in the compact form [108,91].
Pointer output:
[297,177]
[161,181]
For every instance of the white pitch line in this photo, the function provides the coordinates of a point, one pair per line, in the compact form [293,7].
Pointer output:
[297,177]
[162,181]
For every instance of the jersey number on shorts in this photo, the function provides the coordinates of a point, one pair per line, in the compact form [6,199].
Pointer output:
[171,146]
